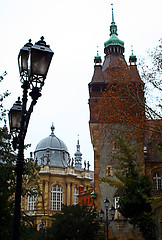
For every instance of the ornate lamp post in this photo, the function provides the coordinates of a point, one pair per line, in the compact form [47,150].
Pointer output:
[34,62]
[107,221]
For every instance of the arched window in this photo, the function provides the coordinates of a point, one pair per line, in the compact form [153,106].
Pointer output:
[75,196]
[56,197]
[31,202]
[157,181]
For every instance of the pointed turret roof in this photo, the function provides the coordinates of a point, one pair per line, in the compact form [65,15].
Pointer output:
[98,75]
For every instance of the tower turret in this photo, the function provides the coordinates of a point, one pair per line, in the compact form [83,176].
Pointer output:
[114,44]
[116,107]
[96,87]
[78,155]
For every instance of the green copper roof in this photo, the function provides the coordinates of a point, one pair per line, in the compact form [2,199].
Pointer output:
[97,58]
[113,40]
[132,57]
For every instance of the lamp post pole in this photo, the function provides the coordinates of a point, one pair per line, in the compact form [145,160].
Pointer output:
[107,225]
[107,221]
[34,62]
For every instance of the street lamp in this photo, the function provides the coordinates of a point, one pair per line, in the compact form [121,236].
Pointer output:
[15,121]
[112,213]
[34,62]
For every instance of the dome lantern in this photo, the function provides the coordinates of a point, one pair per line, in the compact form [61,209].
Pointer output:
[52,151]
[78,156]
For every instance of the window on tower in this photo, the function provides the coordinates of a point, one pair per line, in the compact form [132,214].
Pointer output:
[116,202]
[109,171]
[157,183]
[115,146]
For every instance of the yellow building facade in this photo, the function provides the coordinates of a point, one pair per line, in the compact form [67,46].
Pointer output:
[59,179]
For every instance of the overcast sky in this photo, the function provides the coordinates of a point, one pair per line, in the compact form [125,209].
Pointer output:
[73,29]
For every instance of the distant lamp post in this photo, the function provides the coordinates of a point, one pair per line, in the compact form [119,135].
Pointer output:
[42,228]
[15,121]
[34,62]
[15,116]
[93,194]
[107,221]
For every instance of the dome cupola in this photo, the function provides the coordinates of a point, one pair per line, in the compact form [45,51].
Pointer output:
[51,151]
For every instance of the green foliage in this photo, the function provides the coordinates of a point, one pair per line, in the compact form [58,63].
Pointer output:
[112,182]
[74,223]
[28,229]
[2,97]
[31,172]
[7,186]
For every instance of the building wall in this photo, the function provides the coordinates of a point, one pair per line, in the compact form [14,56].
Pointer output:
[68,178]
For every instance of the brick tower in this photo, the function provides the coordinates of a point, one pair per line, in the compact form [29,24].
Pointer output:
[116,103]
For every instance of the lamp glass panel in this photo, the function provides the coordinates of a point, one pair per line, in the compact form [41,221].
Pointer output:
[23,59]
[107,203]
[112,211]
[15,120]
[39,61]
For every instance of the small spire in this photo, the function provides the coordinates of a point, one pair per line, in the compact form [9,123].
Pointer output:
[97,58]
[97,52]
[52,129]
[132,57]
[132,49]
[113,26]
[78,139]
[78,155]
[112,13]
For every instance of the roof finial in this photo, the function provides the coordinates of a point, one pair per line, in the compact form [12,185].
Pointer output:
[113,26]
[78,139]
[78,155]
[97,52]
[112,13]
[97,58]
[132,57]
[52,129]
[132,49]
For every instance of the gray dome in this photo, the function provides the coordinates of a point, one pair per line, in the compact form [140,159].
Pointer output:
[51,151]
